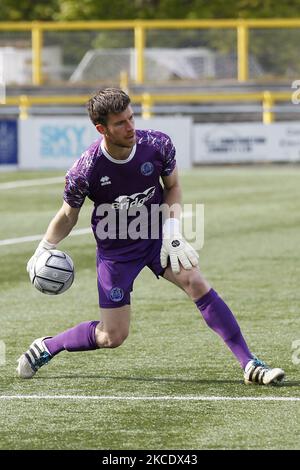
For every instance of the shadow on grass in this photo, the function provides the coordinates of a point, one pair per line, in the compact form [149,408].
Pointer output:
[163,380]
[138,379]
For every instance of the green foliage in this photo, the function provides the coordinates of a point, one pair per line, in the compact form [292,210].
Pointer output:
[27,10]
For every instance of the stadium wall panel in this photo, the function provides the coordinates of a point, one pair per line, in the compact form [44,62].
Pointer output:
[56,142]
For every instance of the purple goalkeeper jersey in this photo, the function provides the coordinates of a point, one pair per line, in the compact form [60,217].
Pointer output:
[121,186]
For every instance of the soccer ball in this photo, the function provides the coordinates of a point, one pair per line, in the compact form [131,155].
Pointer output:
[53,272]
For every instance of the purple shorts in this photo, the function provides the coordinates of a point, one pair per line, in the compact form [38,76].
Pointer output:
[116,278]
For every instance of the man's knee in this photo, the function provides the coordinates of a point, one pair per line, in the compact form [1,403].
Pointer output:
[194,284]
[115,340]
[111,339]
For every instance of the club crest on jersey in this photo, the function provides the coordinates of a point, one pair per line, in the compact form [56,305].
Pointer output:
[105,180]
[116,294]
[136,199]
[147,168]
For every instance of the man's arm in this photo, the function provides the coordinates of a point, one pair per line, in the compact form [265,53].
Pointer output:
[172,195]
[174,246]
[62,224]
[58,229]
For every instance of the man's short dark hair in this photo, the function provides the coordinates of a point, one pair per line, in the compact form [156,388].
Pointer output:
[108,100]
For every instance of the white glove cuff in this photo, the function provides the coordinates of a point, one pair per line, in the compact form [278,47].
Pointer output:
[46,245]
[170,227]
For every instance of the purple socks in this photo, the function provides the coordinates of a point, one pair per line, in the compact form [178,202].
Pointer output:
[79,338]
[214,311]
[221,320]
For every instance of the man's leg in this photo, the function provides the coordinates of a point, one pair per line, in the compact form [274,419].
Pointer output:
[113,328]
[214,310]
[78,338]
[110,332]
[219,318]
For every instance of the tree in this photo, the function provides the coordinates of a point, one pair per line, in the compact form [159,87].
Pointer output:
[26,10]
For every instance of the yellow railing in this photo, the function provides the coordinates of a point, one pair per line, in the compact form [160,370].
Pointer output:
[140,28]
[147,101]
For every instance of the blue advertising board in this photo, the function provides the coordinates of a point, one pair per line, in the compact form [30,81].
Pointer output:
[8,142]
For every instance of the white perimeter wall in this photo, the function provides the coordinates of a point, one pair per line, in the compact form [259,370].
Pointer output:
[56,142]
[246,142]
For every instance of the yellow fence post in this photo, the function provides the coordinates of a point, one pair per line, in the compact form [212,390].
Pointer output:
[242,52]
[37,45]
[23,107]
[268,103]
[139,44]
[147,103]
[124,82]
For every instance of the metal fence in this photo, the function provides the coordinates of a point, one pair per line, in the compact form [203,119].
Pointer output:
[147,101]
[149,51]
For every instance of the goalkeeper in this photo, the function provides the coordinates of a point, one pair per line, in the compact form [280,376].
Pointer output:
[123,170]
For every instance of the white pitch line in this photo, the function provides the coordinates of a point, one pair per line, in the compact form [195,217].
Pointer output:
[28,183]
[144,398]
[33,238]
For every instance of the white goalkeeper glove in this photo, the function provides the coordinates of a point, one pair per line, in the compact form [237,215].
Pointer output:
[177,248]
[43,246]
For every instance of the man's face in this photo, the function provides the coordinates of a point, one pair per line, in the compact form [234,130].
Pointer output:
[120,130]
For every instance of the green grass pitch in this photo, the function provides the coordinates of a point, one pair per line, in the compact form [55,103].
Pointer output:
[250,256]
